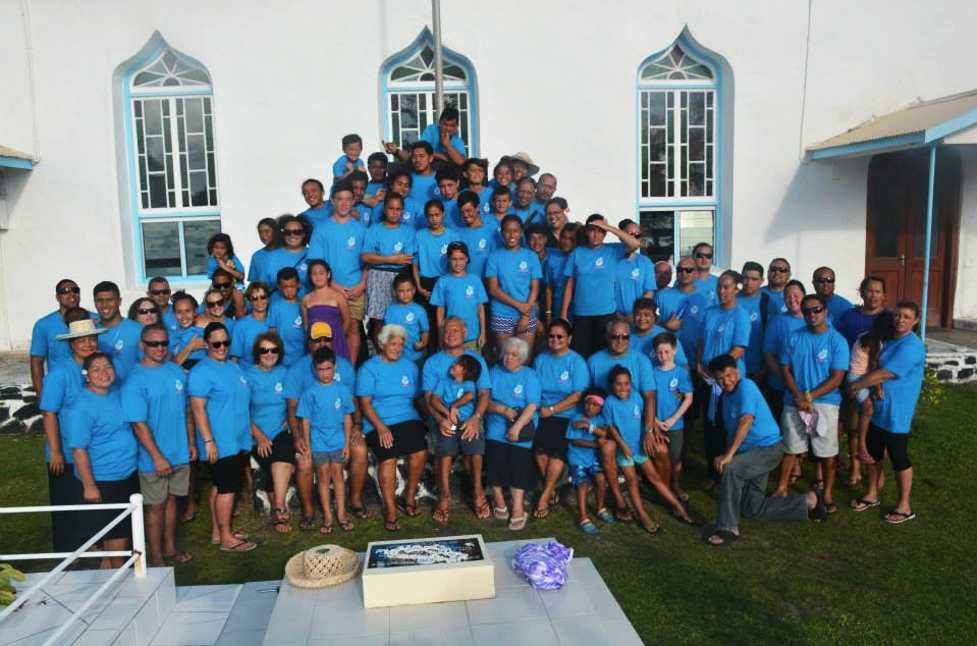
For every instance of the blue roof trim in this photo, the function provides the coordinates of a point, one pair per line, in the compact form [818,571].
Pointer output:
[16,162]
[870,147]
[951,126]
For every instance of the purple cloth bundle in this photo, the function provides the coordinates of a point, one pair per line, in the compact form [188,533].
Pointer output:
[544,566]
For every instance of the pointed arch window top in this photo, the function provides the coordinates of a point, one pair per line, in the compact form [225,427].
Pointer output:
[677,65]
[420,68]
[170,71]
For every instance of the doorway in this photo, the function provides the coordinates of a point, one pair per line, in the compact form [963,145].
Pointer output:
[896,228]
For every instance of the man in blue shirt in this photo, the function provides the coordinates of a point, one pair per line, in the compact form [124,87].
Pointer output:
[154,401]
[121,342]
[753,450]
[314,195]
[443,138]
[705,282]
[46,350]
[778,275]
[159,292]
[754,302]
[824,286]
[814,361]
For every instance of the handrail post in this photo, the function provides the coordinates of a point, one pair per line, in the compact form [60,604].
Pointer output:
[138,535]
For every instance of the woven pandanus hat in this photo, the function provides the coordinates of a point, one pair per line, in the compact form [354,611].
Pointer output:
[322,566]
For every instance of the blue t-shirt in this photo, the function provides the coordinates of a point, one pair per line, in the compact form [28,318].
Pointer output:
[560,377]
[837,306]
[634,278]
[779,330]
[246,330]
[424,187]
[339,166]
[689,307]
[516,390]
[436,369]
[432,135]
[515,270]
[627,416]
[169,320]
[372,187]
[412,318]
[811,357]
[340,245]
[286,319]
[852,323]
[412,214]
[302,375]
[593,270]
[280,259]
[235,264]
[121,343]
[181,339]
[326,407]
[432,252]
[267,398]
[63,382]
[449,391]
[157,395]
[259,261]
[460,296]
[748,400]
[554,278]
[44,342]
[228,395]
[319,214]
[387,241]
[392,388]
[670,388]
[481,241]
[96,423]
[723,330]
[775,303]
[707,287]
[600,364]
[583,456]
[643,344]
[905,358]
[452,216]
[531,214]
[754,351]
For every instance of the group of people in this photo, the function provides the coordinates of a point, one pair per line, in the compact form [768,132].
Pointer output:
[410,307]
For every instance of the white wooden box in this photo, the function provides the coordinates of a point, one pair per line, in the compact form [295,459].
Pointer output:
[427,570]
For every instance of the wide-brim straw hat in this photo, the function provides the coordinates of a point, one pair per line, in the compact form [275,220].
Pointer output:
[78,329]
[525,159]
[322,566]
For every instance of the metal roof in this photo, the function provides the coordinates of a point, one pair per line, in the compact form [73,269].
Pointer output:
[15,159]
[918,124]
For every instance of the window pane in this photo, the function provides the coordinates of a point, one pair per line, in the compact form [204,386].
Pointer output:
[161,249]
[694,227]
[658,144]
[155,150]
[696,180]
[154,124]
[408,111]
[697,108]
[656,180]
[157,191]
[659,227]
[195,235]
[198,189]
[195,120]
[658,108]
[196,152]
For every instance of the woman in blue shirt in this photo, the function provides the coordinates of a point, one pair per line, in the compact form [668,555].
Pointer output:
[563,376]
[512,276]
[900,372]
[104,448]
[388,249]
[220,397]
[247,329]
[634,276]
[386,386]
[554,279]
[510,429]
[271,237]
[589,293]
[273,446]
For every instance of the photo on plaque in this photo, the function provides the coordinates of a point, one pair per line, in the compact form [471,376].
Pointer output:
[424,552]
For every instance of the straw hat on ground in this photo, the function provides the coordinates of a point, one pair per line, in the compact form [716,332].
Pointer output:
[78,329]
[322,566]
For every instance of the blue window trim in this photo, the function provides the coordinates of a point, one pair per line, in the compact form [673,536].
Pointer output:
[449,56]
[156,45]
[687,43]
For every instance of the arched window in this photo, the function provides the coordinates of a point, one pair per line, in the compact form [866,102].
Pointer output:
[168,114]
[681,95]
[409,100]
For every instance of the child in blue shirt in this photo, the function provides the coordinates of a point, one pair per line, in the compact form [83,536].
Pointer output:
[350,160]
[376,168]
[461,294]
[326,411]
[585,434]
[221,254]
[673,397]
[411,316]
[454,397]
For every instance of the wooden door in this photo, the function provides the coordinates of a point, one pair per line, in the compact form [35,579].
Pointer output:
[896,228]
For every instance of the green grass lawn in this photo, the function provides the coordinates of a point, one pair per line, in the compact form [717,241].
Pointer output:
[853,580]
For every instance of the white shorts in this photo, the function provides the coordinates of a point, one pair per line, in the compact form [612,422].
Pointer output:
[796,439]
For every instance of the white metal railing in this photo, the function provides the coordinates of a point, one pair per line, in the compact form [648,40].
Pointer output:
[137,555]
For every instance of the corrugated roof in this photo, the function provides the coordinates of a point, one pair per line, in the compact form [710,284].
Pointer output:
[16,154]
[915,118]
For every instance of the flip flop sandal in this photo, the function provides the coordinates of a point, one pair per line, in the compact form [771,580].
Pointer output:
[502,513]
[652,528]
[326,529]
[243,546]
[179,559]
[830,508]
[623,515]
[860,504]
[588,527]
[241,536]
[188,518]
[516,524]
[440,516]
[897,517]
[307,524]
[348,526]
[605,516]
[726,537]
[484,510]
[541,513]
[360,512]
[411,511]
[391,525]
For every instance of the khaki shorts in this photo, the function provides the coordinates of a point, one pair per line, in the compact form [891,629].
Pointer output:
[795,435]
[357,307]
[156,489]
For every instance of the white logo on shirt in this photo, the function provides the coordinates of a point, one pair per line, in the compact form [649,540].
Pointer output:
[461,391]
[304,267]
[410,317]
[486,207]
[405,381]
[753,316]
[823,355]
[244,382]
[178,385]
[565,375]
[637,412]
[338,377]
[337,404]
[398,246]
[406,216]
[517,391]
[673,384]
[783,308]
[721,328]
[351,242]
[635,273]
[482,243]
[119,345]
[694,309]
[523,266]
[599,263]
[470,292]
[444,250]
[278,388]
[298,322]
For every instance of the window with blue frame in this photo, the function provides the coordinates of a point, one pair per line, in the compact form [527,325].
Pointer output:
[174,166]
[678,160]
[409,97]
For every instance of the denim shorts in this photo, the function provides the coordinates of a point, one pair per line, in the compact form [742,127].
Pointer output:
[580,474]
[322,458]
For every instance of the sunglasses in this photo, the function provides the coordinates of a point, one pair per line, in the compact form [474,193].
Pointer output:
[148,310]
[223,285]
[258,297]
[293,232]
[779,270]
[156,344]
[159,292]
[69,290]
[707,256]
[272,350]
[822,281]
[220,344]
[219,303]
[619,337]
[558,336]
[685,270]
[807,311]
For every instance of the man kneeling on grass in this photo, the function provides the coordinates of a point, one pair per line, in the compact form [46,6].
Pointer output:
[752,451]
